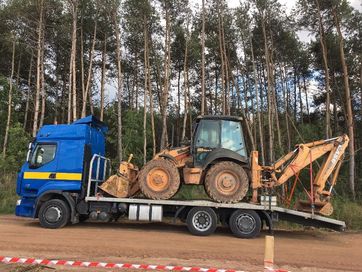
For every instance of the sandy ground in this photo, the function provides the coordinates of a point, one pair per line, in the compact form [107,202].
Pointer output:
[166,244]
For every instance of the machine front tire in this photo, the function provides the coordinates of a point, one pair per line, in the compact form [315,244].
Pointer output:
[159,179]
[245,223]
[54,214]
[226,182]
[201,221]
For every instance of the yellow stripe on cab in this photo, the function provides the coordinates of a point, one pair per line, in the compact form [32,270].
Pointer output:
[58,176]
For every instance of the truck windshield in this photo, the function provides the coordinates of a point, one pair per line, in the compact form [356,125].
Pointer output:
[43,154]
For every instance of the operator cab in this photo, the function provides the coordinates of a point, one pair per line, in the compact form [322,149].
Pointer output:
[217,134]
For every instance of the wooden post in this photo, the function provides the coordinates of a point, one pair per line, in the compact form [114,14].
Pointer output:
[269,253]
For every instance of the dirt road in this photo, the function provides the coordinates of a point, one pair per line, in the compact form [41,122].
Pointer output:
[310,250]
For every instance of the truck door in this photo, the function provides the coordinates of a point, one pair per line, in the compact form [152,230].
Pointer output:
[41,168]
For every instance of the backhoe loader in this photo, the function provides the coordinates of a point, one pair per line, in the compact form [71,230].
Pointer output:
[217,158]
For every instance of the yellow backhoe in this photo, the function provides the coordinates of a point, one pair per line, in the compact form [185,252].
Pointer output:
[217,158]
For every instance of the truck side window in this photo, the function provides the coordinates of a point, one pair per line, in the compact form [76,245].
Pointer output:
[43,154]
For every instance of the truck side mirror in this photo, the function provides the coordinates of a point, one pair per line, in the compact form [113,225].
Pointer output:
[29,152]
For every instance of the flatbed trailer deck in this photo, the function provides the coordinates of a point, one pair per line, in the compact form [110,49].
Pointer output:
[269,214]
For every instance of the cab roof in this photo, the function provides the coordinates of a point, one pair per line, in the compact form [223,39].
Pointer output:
[219,117]
[76,130]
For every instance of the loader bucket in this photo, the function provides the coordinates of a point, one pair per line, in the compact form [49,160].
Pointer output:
[321,207]
[117,186]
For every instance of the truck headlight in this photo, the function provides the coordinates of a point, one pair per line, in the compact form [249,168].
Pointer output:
[18,202]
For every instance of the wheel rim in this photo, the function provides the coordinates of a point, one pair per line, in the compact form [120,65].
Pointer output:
[246,223]
[53,214]
[158,179]
[227,183]
[202,221]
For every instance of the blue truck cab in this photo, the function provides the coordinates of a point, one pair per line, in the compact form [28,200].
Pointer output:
[53,179]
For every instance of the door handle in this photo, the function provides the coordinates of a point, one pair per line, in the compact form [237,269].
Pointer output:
[53,175]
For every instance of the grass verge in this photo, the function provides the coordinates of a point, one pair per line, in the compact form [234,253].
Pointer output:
[8,195]
[348,211]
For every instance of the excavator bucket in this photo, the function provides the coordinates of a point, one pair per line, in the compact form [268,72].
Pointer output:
[321,207]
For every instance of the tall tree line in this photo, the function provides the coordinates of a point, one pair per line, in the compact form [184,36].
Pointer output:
[151,66]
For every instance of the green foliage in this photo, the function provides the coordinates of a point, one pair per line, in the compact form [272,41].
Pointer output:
[132,127]
[8,196]
[348,211]
[16,151]
[189,192]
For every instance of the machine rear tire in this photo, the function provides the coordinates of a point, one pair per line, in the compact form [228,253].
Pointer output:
[159,179]
[54,214]
[201,221]
[226,182]
[245,223]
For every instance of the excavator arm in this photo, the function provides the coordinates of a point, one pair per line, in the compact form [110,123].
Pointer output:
[302,156]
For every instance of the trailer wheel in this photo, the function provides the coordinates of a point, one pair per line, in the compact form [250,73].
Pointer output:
[201,221]
[245,224]
[54,214]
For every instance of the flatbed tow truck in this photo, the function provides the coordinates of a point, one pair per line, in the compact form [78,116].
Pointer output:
[59,184]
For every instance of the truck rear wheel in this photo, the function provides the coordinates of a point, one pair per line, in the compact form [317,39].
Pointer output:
[54,214]
[226,182]
[159,179]
[201,221]
[245,223]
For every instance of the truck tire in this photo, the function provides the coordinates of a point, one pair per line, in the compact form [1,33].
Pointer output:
[159,179]
[54,214]
[201,221]
[245,223]
[226,182]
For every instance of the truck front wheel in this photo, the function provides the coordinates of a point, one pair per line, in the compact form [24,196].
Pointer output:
[54,214]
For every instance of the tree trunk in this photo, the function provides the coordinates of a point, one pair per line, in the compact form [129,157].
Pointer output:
[89,75]
[306,99]
[119,84]
[203,60]
[28,93]
[103,78]
[72,115]
[42,84]
[84,98]
[349,112]
[151,103]
[246,120]
[145,36]
[185,76]
[223,91]
[38,68]
[261,140]
[286,104]
[227,68]
[326,70]
[270,95]
[164,141]
[10,98]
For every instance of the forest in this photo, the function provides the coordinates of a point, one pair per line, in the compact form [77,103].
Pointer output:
[147,68]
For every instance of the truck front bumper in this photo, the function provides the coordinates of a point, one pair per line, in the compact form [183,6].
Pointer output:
[25,207]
